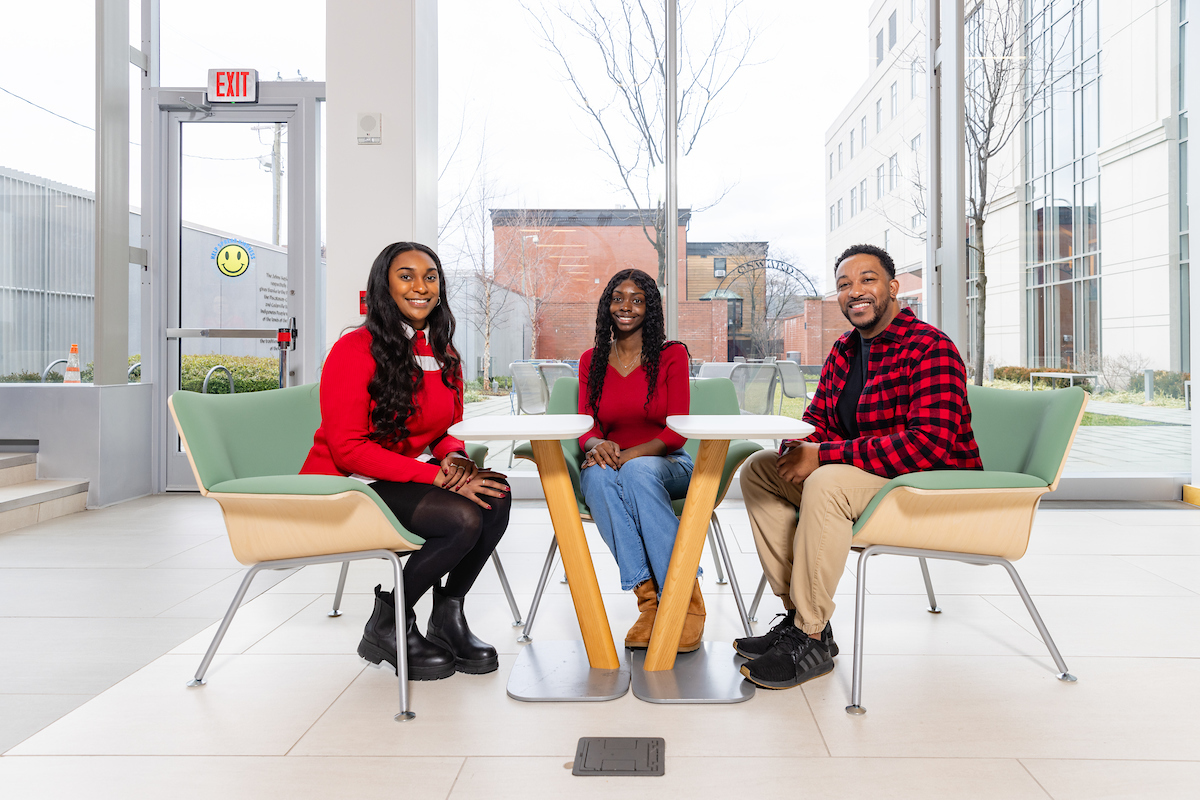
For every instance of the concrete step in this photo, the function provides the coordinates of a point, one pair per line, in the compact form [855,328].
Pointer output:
[30,502]
[17,468]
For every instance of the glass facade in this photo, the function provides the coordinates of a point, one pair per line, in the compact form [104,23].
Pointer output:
[1062,184]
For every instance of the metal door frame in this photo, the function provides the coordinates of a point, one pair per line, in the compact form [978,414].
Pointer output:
[295,103]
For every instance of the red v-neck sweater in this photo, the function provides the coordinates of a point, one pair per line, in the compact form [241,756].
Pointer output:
[340,445]
[623,415]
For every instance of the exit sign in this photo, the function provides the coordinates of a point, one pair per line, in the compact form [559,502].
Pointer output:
[233,86]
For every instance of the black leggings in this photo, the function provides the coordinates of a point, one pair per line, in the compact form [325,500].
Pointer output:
[459,535]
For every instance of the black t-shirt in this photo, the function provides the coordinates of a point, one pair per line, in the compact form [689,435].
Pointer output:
[847,402]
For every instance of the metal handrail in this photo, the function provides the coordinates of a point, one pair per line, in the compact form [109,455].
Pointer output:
[204,387]
[51,366]
[129,373]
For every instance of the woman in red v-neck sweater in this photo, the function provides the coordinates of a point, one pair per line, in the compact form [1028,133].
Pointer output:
[389,391]
[631,381]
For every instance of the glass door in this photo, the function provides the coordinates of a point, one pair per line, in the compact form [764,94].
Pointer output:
[241,249]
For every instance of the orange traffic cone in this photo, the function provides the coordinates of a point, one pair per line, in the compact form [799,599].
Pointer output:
[72,373]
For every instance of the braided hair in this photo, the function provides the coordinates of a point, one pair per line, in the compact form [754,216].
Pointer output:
[397,373]
[654,334]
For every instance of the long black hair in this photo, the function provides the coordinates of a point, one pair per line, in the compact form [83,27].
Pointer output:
[654,334]
[397,373]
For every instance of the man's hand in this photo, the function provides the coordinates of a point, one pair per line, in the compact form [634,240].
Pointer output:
[798,463]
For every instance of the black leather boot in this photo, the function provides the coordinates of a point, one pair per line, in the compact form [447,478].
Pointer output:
[448,628]
[426,661]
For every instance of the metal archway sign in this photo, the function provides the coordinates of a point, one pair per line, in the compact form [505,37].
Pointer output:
[771,264]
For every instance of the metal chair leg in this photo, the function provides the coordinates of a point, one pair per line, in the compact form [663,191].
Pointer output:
[537,595]
[714,530]
[1063,675]
[224,626]
[337,596]
[508,593]
[860,598]
[933,606]
[712,548]
[758,594]
[405,714]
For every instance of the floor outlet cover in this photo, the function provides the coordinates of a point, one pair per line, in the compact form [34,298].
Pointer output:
[599,755]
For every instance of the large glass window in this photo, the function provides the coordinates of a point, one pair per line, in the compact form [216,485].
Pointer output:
[47,177]
[1062,208]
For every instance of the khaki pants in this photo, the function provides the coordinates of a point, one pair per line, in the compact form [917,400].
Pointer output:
[803,532]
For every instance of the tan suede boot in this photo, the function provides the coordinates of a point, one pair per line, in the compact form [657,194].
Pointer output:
[693,623]
[638,637]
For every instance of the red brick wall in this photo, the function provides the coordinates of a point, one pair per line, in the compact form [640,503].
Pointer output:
[814,332]
[570,328]
[578,261]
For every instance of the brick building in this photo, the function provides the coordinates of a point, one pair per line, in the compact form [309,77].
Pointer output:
[565,257]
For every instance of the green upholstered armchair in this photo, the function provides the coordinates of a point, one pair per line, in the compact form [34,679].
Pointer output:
[976,516]
[246,451]
[708,396]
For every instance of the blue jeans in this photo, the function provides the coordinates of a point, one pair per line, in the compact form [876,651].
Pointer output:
[632,509]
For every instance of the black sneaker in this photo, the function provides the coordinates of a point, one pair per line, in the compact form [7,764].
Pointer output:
[755,646]
[794,659]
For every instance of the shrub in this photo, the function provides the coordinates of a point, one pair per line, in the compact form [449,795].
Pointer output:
[56,375]
[1021,375]
[1168,384]
[250,373]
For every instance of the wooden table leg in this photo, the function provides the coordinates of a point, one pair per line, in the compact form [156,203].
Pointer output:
[685,558]
[577,561]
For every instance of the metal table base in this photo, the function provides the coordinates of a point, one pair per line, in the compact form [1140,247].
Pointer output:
[558,672]
[708,675]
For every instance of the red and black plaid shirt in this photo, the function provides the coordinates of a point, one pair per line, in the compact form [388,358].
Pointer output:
[913,413]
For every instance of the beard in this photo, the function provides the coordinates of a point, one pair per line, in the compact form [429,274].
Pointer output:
[868,323]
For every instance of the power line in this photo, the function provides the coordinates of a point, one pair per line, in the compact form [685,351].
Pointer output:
[93,130]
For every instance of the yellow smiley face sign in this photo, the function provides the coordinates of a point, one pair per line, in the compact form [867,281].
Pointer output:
[233,260]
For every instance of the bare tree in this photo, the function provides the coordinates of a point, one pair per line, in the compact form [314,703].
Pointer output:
[488,307]
[1001,86]
[526,263]
[627,105]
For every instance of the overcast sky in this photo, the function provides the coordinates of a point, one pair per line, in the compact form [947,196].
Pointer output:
[496,82]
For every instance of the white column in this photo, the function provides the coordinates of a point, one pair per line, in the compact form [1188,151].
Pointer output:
[381,56]
[672,150]
[112,193]
[1192,86]
[945,280]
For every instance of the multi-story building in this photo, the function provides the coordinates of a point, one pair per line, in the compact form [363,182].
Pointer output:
[875,153]
[1086,236]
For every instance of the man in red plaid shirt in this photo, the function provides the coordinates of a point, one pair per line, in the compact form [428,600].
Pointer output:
[892,399]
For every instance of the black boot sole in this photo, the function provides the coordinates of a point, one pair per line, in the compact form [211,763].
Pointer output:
[377,655]
[477,666]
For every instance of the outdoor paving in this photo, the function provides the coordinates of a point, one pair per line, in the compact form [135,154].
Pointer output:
[1142,448]
[1165,416]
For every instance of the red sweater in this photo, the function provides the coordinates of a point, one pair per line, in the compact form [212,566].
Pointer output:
[340,445]
[623,415]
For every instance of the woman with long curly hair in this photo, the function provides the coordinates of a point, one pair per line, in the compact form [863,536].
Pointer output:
[389,389]
[634,466]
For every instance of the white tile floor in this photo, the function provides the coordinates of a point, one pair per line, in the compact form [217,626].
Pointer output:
[104,615]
